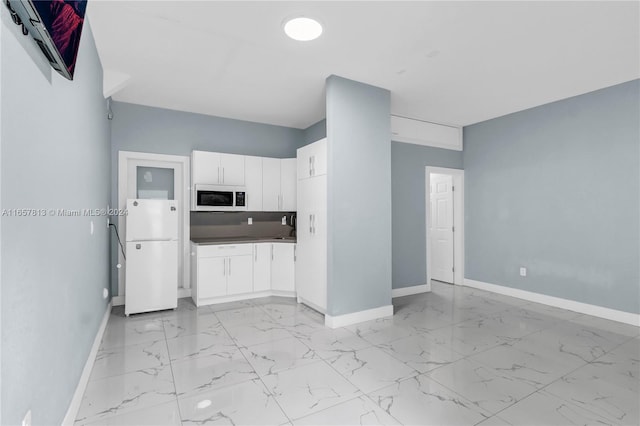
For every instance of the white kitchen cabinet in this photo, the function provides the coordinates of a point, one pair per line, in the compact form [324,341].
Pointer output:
[212,278]
[271,184]
[239,274]
[279,184]
[312,160]
[283,267]
[288,185]
[253,183]
[311,250]
[262,267]
[215,168]
[220,271]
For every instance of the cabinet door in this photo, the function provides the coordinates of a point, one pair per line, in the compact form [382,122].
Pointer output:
[239,274]
[271,184]
[232,169]
[288,182]
[303,161]
[282,267]
[311,251]
[205,167]
[212,279]
[261,267]
[253,183]
[319,158]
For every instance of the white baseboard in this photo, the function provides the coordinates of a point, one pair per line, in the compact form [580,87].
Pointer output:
[117,300]
[571,305]
[74,405]
[408,291]
[356,317]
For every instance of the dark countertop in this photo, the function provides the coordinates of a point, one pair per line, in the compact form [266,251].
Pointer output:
[241,240]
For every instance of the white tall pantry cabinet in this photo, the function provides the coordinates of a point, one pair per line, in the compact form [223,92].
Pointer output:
[311,251]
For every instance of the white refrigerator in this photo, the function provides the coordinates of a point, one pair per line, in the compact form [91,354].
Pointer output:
[151,274]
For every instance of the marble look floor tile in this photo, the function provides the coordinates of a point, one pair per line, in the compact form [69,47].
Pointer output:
[329,343]
[602,324]
[126,359]
[246,403]
[199,345]
[246,315]
[166,414]
[309,388]
[257,333]
[420,352]
[271,357]
[358,411]
[530,367]
[522,319]
[371,368]
[552,311]
[482,385]
[212,372]
[423,401]
[620,366]
[192,323]
[467,339]
[127,392]
[586,389]
[381,330]
[542,408]
[302,324]
[494,421]
[126,333]
[219,307]
[571,340]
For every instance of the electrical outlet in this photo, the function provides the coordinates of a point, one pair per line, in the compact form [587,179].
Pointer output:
[284,220]
[523,271]
[250,221]
[27,419]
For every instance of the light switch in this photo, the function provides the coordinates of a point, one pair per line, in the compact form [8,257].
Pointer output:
[250,221]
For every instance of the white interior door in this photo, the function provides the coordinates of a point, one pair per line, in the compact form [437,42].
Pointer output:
[441,201]
[156,177]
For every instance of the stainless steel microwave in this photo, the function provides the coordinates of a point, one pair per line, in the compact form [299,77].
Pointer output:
[219,198]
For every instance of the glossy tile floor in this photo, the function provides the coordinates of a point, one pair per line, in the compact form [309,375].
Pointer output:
[456,356]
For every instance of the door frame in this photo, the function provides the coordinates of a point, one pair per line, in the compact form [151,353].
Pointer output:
[458,221]
[123,166]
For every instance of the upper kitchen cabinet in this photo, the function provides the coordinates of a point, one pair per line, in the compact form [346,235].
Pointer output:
[288,185]
[253,183]
[214,168]
[278,184]
[312,159]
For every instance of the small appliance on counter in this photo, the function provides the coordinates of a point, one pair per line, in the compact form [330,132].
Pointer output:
[151,275]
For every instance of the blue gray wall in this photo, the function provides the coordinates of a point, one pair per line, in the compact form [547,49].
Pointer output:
[55,154]
[314,133]
[409,229]
[557,189]
[359,196]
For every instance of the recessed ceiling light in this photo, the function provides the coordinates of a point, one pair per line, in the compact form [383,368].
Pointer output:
[303,29]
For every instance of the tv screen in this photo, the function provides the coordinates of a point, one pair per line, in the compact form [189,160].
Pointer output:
[56,26]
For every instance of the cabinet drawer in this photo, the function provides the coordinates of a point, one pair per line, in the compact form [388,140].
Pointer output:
[225,250]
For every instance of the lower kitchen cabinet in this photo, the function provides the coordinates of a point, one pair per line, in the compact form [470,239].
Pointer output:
[283,275]
[262,267]
[227,272]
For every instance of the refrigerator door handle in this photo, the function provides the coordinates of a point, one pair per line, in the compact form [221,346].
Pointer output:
[229,266]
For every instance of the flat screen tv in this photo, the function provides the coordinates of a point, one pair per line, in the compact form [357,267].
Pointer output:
[55,25]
